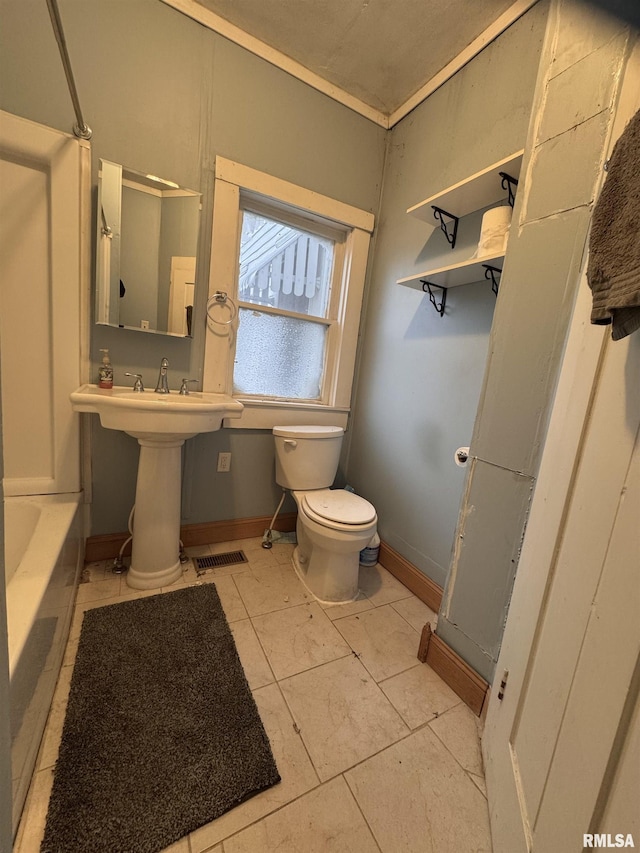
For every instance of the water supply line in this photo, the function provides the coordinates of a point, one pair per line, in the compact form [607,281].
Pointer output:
[81,129]
[118,564]
[268,534]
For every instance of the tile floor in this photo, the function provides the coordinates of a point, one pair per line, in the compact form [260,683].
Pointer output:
[376,753]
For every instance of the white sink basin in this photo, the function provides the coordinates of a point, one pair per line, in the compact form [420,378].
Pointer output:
[161,423]
[156,417]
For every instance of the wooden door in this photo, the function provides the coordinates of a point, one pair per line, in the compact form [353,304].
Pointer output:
[562,736]
[181,293]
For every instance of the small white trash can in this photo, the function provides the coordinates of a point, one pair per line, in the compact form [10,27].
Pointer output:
[369,555]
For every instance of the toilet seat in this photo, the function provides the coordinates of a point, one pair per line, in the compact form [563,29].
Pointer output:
[338,509]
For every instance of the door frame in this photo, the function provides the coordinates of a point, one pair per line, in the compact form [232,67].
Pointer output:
[583,361]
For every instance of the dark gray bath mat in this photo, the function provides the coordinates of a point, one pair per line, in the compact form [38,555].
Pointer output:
[161,734]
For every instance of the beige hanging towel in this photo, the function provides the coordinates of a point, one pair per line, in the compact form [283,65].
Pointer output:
[613,271]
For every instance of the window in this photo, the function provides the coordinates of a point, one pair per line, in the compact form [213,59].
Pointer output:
[284,293]
[295,264]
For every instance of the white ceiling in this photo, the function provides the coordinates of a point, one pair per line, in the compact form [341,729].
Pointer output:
[380,54]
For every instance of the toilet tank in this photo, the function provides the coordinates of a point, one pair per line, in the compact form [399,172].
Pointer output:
[307,456]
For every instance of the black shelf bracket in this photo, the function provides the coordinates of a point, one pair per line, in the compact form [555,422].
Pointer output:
[492,273]
[510,184]
[426,287]
[440,215]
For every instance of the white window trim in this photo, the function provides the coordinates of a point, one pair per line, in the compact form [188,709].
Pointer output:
[231,180]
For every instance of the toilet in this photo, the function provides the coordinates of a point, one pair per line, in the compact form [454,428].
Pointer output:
[333,525]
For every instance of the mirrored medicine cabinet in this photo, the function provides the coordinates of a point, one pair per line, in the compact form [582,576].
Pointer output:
[147,244]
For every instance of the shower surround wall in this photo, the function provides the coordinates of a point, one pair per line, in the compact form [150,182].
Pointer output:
[44,176]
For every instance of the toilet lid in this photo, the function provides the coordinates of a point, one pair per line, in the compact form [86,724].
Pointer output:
[340,506]
[307,431]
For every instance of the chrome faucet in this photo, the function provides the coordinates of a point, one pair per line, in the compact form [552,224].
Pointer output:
[138,387]
[162,387]
[184,388]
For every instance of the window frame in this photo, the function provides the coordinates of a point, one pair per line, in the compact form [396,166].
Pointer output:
[239,187]
[338,236]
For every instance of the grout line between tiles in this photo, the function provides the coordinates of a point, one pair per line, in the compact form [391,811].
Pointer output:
[405,618]
[81,607]
[359,807]
[410,732]
[315,666]
[262,818]
[253,628]
[297,730]
[320,784]
[237,589]
[453,755]
[474,777]
[24,828]
[378,683]
[282,806]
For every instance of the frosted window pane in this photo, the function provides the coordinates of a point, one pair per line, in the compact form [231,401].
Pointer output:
[283,266]
[278,356]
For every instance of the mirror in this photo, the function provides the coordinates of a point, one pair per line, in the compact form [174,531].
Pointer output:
[147,234]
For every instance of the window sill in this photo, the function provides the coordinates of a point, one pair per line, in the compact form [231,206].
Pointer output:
[265,414]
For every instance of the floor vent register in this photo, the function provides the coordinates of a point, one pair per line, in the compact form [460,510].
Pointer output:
[214,561]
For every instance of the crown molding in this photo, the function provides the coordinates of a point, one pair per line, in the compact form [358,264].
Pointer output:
[214,22]
[259,48]
[492,32]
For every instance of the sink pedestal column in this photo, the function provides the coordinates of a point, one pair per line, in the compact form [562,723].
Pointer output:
[156,524]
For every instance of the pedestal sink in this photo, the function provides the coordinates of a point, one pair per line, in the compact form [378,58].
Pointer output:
[161,423]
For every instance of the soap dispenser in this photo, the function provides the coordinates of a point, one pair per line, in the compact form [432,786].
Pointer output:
[105,373]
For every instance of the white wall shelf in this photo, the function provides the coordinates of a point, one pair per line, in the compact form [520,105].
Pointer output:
[454,275]
[476,192]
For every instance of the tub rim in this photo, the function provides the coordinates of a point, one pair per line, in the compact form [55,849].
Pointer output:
[25,591]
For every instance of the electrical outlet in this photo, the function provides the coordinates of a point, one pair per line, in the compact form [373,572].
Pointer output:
[224,461]
[144,324]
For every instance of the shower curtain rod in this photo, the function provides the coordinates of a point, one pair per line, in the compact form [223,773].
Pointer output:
[81,129]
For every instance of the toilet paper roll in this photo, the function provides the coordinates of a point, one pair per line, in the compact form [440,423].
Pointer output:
[461,457]
[497,217]
[494,231]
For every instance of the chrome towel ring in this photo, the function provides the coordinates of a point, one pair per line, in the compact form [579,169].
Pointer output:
[220,297]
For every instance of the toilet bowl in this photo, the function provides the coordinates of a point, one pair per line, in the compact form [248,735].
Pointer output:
[333,525]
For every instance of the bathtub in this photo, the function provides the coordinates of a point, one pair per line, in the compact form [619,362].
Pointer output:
[43,552]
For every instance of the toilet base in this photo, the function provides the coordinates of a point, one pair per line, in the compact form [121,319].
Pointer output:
[330,578]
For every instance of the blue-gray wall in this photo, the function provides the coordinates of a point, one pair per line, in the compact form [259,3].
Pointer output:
[583,60]
[420,374]
[165,95]
[139,257]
